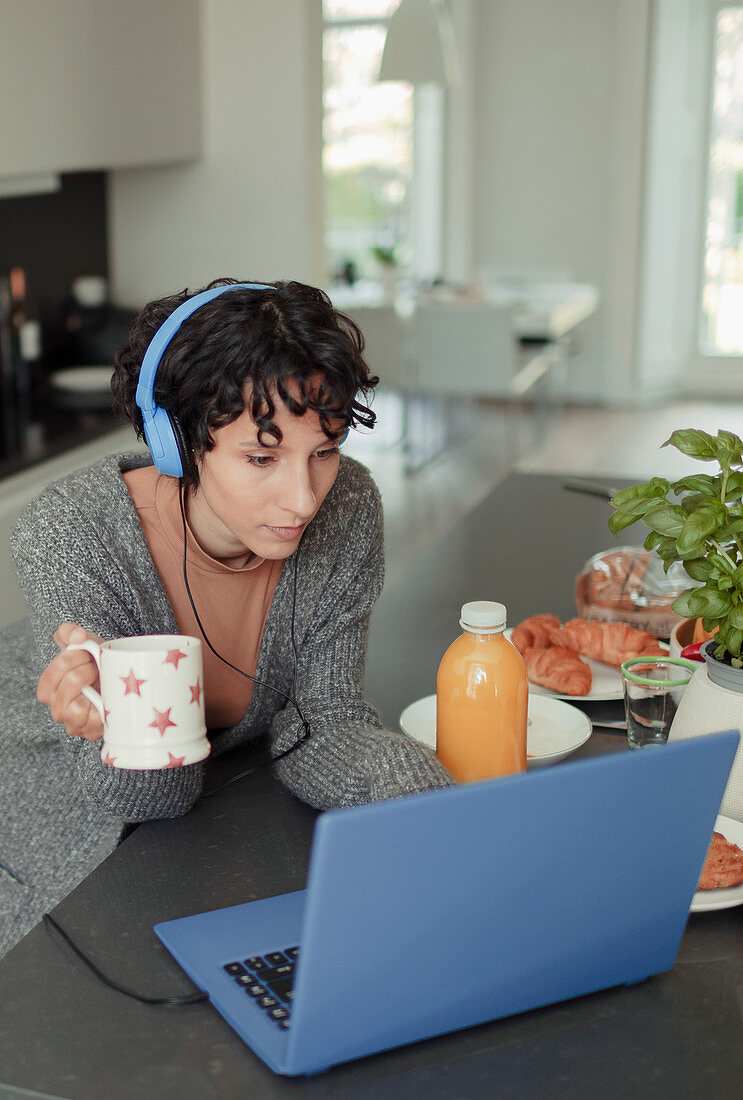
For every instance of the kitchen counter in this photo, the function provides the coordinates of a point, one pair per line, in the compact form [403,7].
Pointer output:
[57,434]
[63,1034]
[75,443]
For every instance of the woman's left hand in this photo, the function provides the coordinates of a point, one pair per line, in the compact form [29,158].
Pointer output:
[61,683]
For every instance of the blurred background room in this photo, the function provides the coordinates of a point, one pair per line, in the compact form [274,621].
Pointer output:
[533,209]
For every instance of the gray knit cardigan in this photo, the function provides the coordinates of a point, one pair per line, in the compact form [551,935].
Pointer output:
[81,557]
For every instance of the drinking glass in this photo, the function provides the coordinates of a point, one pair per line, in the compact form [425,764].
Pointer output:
[653,687]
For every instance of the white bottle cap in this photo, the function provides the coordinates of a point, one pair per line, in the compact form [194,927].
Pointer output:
[483,617]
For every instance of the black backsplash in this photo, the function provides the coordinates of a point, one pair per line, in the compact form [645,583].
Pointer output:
[55,238]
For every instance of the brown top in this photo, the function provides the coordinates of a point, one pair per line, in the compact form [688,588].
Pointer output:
[232,603]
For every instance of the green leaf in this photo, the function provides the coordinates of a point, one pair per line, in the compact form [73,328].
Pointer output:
[666,550]
[698,483]
[631,512]
[643,491]
[728,530]
[699,569]
[734,489]
[727,458]
[619,520]
[709,603]
[721,563]
[723,629]
[667,519]
[681,604]
[694,443]
[693,502]
[735,618]
[734,640]
[652,540]
[697,529]
[731,441]
[713,506]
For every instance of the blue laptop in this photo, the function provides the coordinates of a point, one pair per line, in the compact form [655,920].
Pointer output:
[450,908]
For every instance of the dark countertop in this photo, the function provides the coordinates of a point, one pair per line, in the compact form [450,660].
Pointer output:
[59,431]
[63,1034]
[523,546]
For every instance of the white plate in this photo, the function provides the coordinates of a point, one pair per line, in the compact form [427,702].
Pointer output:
[82,379]
[726,898]
[555,729]
[606,682]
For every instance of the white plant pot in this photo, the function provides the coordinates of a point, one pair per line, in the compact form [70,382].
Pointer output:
[708,708]
[388,279]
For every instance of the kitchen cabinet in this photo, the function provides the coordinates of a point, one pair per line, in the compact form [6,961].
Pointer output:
[97,84]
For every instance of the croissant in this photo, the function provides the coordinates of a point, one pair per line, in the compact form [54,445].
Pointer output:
[611,643]
[559,669]
[533,633]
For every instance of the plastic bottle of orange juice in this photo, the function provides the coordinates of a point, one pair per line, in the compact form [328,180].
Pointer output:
[481,699]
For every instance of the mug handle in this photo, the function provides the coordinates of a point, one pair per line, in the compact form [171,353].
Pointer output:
[90,693]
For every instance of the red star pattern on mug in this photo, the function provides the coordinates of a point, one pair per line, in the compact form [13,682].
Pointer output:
[108,759]
[174,761]
[162,720]
[195,693]
[131,683]
[173,656]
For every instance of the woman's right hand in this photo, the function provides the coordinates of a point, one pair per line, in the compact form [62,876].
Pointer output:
[61,683]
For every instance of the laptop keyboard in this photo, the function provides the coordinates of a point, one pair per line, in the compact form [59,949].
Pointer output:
[269,980]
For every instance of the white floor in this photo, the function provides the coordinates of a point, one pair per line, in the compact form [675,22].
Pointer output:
[421,506]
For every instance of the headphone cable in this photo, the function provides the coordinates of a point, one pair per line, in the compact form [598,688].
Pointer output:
[189,999]
[291,698]
[51,923]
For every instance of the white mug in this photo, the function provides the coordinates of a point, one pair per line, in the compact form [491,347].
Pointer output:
[151,701]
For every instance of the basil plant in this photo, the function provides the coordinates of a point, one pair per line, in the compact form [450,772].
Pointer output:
[699,522]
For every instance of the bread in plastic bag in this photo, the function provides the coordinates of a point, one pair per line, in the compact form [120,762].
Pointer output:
[629,585]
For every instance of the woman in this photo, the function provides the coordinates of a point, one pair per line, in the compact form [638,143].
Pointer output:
[283,562]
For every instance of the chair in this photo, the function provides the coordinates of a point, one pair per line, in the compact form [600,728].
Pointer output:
[468,351]
[463,348]
[385,336]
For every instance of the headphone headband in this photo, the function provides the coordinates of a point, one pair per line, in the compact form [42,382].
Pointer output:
[162,432]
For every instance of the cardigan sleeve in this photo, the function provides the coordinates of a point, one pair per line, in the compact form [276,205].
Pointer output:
[69,574]
[349,757]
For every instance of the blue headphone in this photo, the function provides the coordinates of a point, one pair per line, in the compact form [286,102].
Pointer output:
[162,431]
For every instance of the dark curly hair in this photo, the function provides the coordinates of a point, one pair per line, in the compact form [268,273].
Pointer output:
[259,339]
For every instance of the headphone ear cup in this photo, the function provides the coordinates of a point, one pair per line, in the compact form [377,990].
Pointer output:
[163,434]
[161,439]
[187,463]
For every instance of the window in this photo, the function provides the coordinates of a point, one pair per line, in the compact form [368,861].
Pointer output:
[722,292]
[367,142]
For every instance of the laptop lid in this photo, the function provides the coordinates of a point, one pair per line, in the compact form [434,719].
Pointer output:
[435,912]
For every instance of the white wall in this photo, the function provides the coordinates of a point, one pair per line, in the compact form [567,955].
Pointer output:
[251,207]
[559,156]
